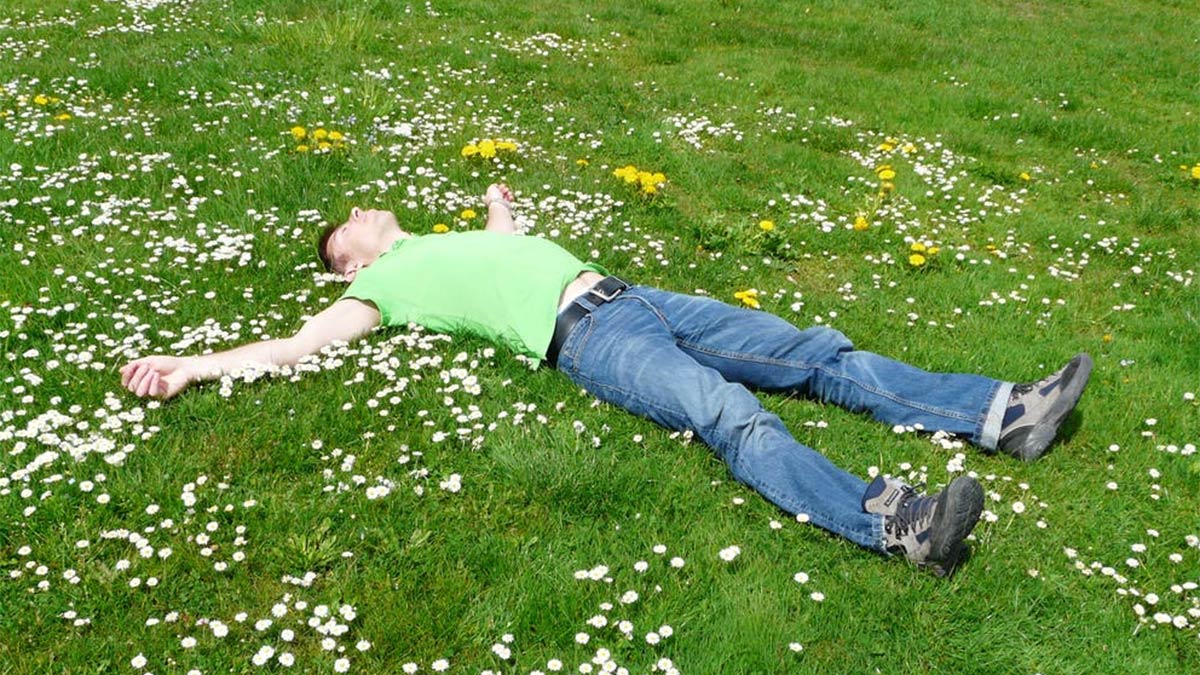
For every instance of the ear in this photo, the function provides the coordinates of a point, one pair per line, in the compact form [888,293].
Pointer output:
[349,274]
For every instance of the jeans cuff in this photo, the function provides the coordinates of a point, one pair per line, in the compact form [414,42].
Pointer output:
[989,436]
[879,536]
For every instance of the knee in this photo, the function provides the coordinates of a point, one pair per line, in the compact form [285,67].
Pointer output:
[752,431]
[827,342]
[754,441]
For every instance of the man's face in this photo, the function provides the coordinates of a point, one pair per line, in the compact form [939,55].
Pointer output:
[364,236]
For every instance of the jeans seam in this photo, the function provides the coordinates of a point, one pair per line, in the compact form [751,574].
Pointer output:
[741,356]
[592,385]
[904,401]
[650,306]
[807,366]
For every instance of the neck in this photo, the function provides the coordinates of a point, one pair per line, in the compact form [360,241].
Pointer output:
[387,242]
[392,237]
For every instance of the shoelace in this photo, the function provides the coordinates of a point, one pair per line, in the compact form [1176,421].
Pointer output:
[909,517]
[1022,388]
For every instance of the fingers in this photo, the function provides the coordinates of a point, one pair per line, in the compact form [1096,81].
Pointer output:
[155,385]
[139,378]
[129,372]
[143,387]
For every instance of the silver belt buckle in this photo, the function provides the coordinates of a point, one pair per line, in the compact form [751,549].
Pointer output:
[593,290]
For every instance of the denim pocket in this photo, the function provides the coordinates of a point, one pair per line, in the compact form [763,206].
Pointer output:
[575,342]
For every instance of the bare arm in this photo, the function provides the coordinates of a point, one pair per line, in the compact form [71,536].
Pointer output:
[165,376]
[498,200]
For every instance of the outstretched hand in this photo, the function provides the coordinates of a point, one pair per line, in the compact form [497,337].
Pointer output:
[156,376]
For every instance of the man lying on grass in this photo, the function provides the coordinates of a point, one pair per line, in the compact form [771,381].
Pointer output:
[683,361]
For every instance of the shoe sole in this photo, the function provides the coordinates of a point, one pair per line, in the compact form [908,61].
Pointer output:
[1042,433]
[944,568]
[962,502]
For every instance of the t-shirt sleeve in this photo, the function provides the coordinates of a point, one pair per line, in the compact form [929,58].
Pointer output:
[391,312]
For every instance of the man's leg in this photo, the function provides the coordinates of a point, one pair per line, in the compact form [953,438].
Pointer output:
[625,354]
[766,352]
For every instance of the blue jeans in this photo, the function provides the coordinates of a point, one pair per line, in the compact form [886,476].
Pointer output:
[685,362]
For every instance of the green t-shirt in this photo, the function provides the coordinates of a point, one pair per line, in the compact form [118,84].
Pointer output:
[503,287]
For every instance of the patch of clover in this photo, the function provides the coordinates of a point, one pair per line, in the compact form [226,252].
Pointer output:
[697,130]
[32,110]
[13,50]
[52,446]
[134,13]
[545,45]
[203,526]
[615,627]
[345,478]
[1172,600]
[14,20]
[296,631]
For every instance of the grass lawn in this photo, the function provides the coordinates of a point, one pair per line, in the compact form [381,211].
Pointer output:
[418,502]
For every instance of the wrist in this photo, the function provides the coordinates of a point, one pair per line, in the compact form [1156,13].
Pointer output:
[195,370]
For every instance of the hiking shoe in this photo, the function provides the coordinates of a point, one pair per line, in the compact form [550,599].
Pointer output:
[1036,409]
[928,529]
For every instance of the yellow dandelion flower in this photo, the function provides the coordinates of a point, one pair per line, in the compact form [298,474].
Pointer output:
[649,189]
[916,260]
[320,134]
[861,223]
[886,173]
[933,250]
[487,148]
[581,162]
[440,228]
[628,173]
[886,187]
[467,214]
[41,99]
[1107,337]
[298,132]
[748,297]
[1025,176]
[506,145]
[659,178]
[470,150]
[302,148]
[336,136]
[888,145]
[918,247]
[63,117]
[907,148]
[324,145]
[766,225]
[1196,172]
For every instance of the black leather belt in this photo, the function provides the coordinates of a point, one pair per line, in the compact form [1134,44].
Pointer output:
[601,292]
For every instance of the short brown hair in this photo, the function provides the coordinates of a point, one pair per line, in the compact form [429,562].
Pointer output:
[323,246]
